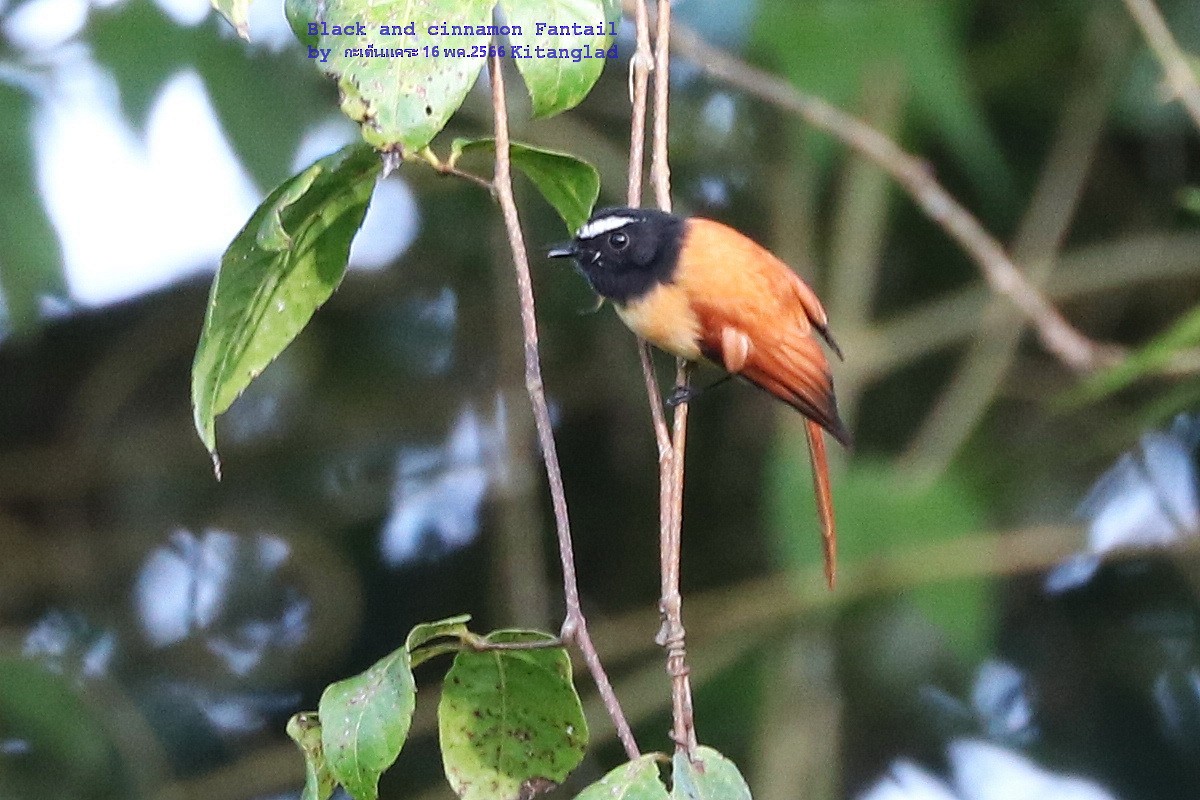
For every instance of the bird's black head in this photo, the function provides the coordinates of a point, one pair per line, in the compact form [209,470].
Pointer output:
[626,252]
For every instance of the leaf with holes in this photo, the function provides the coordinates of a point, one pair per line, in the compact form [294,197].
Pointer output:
[709,776]
[509,721]
[559,84]
[633,780]
[365,721]
[279,269]
[305,730]
[401,101]
[570,184]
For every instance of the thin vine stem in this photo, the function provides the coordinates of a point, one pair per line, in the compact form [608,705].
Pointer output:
[574,628]
[671,461]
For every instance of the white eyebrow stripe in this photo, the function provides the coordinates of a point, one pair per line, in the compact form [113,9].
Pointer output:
[603,225]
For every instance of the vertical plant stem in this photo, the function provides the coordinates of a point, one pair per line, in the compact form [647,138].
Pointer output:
[574,628]
[639,80]
[671,469]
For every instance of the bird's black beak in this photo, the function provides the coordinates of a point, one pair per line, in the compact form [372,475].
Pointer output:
[562,250]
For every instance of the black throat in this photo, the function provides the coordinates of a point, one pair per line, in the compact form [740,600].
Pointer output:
[655,241]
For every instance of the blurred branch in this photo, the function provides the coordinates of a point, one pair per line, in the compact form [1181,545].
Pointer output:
[982,368]
[1180,78]
[519,580]
[860,230]
[1121,264]
[1058,336]
[574,628]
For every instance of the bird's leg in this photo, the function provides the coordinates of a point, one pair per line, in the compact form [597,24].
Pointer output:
[686,394]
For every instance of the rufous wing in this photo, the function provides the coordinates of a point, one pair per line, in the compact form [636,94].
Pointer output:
[757,319]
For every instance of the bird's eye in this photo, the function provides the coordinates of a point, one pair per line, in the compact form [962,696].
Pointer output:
[618,240]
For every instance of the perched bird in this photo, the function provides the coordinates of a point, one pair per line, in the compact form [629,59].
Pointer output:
[696,288]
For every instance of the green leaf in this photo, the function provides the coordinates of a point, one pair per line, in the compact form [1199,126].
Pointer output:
[558,84]
[365,721]
[428,631]
[710,776]
[305,730]
[235,11]
[271,233]
[400,102]
[1150,359]
[510,722]
[262,297]
[633,780]
[418,643]
[570,184]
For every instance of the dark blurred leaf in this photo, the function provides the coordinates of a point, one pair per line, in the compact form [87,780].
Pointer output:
[30,261]
[1150,359]
[1189,200]
[67,742]
[568,183]
[558,84]
[305,730]
[400,102]
[509,721]
[633,780]
[710,776]
[831,47]
[877,511]
[365,722]
[261,298]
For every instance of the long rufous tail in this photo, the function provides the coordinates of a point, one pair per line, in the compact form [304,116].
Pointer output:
[821,488]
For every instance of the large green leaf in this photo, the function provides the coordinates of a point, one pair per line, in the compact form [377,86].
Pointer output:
[510,721]
[402,101]
[707,776]
[558,84]
[279,269]
[365,721]
[633,780]
[569,184]
[305,731]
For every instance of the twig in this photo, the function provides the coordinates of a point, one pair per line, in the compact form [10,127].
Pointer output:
[639,79]
[671,635]
[980,373]
[574,628]
[446,169]
[1057,335]
[1180,77]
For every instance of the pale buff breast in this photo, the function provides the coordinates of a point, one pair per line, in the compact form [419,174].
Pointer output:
[664,318]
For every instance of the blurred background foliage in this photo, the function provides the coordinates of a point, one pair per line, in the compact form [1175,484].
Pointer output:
[157,628]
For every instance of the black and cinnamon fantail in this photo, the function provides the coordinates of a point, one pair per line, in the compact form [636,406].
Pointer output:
[696,288]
